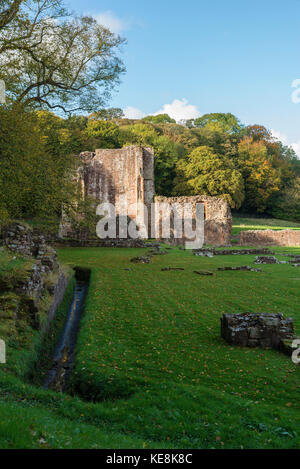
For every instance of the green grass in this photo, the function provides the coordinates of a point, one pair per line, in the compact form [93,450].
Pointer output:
[243,224]
[150,352]
[12,262]
[150,340]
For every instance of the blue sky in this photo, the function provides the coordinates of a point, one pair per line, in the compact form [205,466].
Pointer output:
[195,57]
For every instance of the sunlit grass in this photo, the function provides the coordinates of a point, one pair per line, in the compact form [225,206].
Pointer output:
[242,224]
[150,353]
[150,344]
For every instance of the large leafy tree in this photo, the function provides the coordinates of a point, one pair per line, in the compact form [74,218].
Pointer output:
[51,60]
[160,119]
[262,179]
[204,172]
[9,11]
[34,181]
[106,134]
[288,203]
[217,121]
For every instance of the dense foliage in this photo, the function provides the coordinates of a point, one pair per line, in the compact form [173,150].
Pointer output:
[34,173]
[52,60]
[214,155]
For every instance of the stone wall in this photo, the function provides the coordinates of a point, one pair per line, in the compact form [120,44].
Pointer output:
[270,238]
[57,293]
[115,176]
[22,240]
[218,219]
[103,243]
[257,329]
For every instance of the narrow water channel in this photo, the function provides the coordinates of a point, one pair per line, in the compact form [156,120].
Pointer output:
[63,356]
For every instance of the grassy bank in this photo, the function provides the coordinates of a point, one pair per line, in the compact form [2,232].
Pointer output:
[150,354]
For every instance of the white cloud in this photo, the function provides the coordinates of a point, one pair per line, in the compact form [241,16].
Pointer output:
[109,20]
[279,136]
[283,138]
[296,148]
[133,113]
[180,110]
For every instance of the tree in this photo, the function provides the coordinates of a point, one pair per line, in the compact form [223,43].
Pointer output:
[262,180]
[20,20]
[113,113]
[159,119]
[204,172]
[34,181]
[106,133]
[9,11]
[259,133]
[52,61]
[217,121]
[288,204]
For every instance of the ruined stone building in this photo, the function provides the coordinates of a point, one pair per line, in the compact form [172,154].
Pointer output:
[128,173]
[115,176]
[217,215]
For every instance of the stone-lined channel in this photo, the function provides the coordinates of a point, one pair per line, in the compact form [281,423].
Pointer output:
[63,356]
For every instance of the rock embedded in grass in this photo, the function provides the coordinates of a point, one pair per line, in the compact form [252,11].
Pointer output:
[203,272]
[141,260]
[204,253]
[266,260]
[257,329]
[242,267]
[168,269]
[210,252]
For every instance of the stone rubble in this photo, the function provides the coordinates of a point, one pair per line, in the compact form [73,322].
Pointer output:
[257,329]
[243,267]
[266,260]
[26,242]
[168,269]
[203,272]
[141,260]
[211,252]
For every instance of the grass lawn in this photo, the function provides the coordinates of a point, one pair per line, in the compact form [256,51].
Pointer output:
[243,224]
[151,357]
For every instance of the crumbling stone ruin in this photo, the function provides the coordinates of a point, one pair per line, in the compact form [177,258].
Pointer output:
[43,274]
[122,176]
[116,175]
[23,240]
[141,260]
[266,260]
[218,219]
[257,330]
[211,252]
[245,268]
[270,238]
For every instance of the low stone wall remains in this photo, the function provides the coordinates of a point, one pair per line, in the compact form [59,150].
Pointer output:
[257,329]
[288,238]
